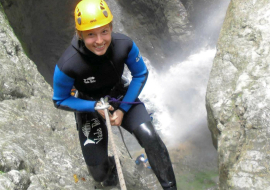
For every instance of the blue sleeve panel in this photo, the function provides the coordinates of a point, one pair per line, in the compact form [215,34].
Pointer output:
[139,74]
[62,85]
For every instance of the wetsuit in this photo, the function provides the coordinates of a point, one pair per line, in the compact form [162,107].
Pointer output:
[95,77]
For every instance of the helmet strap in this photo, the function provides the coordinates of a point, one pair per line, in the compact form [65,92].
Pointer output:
[79,35]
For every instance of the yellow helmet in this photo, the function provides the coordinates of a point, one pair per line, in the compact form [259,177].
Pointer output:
[90,14]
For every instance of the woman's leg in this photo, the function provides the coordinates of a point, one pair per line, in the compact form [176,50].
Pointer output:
[93,137]
[105,172]
[138,122]
[157,154]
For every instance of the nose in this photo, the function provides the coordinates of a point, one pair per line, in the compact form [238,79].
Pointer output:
[99,39]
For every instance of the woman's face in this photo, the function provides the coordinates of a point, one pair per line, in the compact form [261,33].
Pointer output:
[97,40]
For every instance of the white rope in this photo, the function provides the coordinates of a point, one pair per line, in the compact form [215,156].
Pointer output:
[105,106]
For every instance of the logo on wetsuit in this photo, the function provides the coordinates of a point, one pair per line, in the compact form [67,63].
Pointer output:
[89,80]
[138,57]
[97,136]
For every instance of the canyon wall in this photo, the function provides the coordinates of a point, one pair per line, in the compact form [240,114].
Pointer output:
[238,97]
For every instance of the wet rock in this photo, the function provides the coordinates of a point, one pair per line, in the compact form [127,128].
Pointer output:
[238,98]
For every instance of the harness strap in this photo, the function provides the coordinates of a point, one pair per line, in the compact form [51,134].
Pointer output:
[118,100]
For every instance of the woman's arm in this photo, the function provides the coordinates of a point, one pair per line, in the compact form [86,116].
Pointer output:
[62,85]
[139,74]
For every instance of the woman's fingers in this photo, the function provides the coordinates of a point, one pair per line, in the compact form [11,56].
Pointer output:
[102,113]
[113,119]
[111,108]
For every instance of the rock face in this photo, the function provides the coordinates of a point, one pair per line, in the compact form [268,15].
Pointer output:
[39,146]
[43,29]
[161,27]
[206,18]
[238,97]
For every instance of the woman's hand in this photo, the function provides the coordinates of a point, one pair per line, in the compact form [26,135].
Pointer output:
[102,113]
[116,118]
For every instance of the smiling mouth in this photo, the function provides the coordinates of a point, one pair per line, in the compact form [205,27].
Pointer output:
[100,47]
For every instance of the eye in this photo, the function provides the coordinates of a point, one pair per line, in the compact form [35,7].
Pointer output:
[90,34]
[105,31]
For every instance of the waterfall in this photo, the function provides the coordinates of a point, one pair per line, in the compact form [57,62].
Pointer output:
[176,97]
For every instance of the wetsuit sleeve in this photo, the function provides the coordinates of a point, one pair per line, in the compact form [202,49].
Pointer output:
[139,74]
[62,85]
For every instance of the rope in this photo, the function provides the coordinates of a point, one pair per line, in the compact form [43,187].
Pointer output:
[124,141]
[118,100]
[116,158]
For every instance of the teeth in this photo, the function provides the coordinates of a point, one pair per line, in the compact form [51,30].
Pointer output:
[100,46]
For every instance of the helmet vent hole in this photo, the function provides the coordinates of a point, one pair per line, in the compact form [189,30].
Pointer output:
[101,5]
[79,14]
[105,13]
[79,20]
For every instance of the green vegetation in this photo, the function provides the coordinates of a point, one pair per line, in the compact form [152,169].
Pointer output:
[1,172]
[197,180]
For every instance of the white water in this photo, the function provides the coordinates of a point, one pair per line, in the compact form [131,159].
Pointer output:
[176,97]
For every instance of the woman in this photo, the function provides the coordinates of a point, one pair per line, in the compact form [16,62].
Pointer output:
[94,64]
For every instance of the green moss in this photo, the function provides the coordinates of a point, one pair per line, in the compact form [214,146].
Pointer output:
[1,172]
[197,181]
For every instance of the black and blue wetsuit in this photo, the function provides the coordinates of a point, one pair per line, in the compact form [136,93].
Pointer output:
[98,76]
[95,76]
